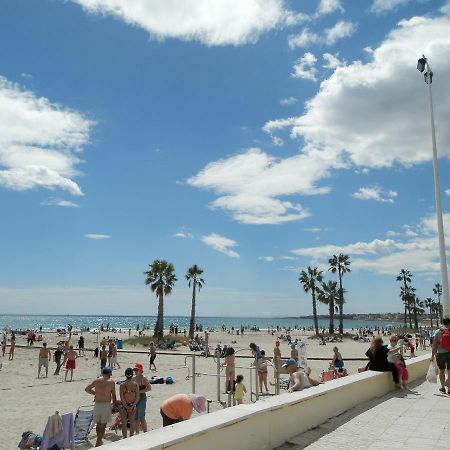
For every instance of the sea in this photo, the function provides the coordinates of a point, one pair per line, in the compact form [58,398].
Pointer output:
[53,322]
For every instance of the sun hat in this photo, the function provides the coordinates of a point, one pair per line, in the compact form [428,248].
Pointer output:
[107,370]
[290,362]
[129,372]
[198,402]
[138,366]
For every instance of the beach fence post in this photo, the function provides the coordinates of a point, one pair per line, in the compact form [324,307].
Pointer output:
[193,374]
[277,381]
[218,378]
[256,379]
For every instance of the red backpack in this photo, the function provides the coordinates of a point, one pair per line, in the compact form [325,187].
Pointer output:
[444,341]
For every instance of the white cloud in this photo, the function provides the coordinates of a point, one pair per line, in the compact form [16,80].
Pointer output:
[419,253]
[59,202]
[332,61]
[183,235]
[375,193]
[448,192]
[277,141]
[221,244]
[223,22]
[339,31]
[288,101]
[354,115]
[304,67]
[266,258]
[97,237]
[314,230]
[40,142]
[249,184]
[26,75]
[391,233]
[329,6]
[379,6]
[304,39]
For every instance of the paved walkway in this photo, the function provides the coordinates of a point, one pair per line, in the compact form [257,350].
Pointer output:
[418,418]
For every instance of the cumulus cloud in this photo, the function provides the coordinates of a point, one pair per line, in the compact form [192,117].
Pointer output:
[330,36]
[304,67]
[332,61]
[373,114]
[40,142]
[225,22]
[59,202]
[251,185]
[419,253]
[379,6]
[375,193]
[97,237]
[221,244]
[288,101]
[329,6]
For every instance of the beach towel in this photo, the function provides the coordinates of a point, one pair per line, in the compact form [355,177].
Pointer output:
[302,360]
[64,439]
[54,424]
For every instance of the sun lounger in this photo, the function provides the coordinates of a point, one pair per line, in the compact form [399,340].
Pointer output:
[83,423]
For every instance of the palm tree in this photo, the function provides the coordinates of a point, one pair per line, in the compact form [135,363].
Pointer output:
[417,307]
[193,277]
[329,295]
[161,278]
[405,277]
[437,290]
[310,279]
[429,303]
[340,264]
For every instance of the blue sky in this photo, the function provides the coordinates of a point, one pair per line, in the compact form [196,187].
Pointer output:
[254,138]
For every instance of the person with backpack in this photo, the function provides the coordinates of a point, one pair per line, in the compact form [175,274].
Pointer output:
[441,351]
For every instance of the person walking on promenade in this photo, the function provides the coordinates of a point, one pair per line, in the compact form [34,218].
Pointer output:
[104,391]
[45,356]
[441,351]
[144,386]
[179,407]
[378,362]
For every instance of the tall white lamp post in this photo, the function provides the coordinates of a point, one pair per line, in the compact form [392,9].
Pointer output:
[423,65]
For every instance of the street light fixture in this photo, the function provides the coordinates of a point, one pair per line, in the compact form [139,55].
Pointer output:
[422,65]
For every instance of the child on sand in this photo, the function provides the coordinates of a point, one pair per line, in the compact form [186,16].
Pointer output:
[239,389]
[229,371]
[11,350]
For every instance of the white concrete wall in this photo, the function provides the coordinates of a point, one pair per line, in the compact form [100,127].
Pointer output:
[272,421]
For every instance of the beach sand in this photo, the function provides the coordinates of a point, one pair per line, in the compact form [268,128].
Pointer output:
[28,401]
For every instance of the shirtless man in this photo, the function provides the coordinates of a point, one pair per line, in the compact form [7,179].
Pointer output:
[44,357]
[298,379]
[103,357]
[129,396]
[104,391]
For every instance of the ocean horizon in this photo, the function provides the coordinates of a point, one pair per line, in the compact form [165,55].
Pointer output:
[53,321]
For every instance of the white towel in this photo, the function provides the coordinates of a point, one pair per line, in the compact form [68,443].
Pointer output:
[54,424]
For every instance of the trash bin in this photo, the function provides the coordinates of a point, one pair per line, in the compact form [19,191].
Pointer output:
[119,344]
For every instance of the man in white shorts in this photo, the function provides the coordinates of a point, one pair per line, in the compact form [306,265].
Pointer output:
[104,391]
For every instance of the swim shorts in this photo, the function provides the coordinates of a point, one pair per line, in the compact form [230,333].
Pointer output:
[102,412]
[43,362]
[443,360]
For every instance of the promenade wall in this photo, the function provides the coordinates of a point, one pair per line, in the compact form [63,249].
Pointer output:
[270,422]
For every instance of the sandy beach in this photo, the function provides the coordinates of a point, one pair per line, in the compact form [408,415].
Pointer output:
[27,401]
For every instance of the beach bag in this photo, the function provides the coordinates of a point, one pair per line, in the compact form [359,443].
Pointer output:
[444,341]
[169,380]
[431,374]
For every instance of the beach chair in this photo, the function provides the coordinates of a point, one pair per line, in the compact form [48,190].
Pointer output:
[83,423]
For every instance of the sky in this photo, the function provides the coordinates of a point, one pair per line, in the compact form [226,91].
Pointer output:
[252,138]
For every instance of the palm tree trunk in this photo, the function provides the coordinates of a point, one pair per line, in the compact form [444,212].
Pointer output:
[409,316]
[404,301]
[341,306]
[159,325]
[416,322]
[316,322]
[431,318]
[331,326]
[192,322]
